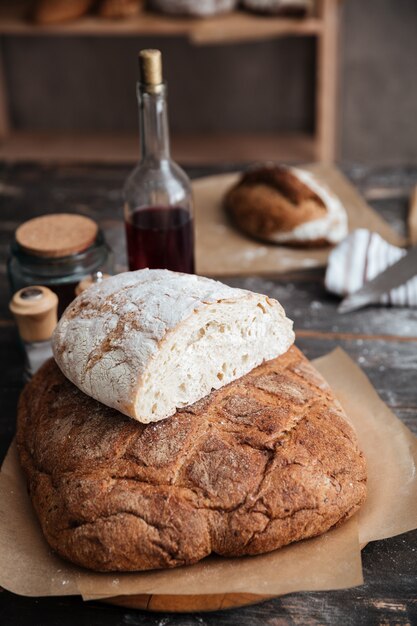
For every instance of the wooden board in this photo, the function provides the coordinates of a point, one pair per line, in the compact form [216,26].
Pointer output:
[222,250]
[187,604]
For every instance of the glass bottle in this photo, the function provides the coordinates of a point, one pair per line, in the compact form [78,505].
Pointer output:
[158,200]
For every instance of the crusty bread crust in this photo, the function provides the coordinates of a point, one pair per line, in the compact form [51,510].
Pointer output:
[265,461]
[286,205]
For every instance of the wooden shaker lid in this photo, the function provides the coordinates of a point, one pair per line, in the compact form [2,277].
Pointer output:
[35,310]
[57,235]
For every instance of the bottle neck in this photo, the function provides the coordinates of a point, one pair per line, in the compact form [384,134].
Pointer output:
[153,123]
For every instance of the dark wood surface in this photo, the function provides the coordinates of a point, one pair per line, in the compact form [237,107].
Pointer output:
[383,341]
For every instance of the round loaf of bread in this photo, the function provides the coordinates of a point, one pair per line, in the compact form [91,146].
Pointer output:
[265,461]
[286,205]
[152,341]
[202,8]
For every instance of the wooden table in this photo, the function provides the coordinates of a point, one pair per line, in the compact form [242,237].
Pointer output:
[382,341]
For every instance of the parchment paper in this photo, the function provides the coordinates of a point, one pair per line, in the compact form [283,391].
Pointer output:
[331,561]
[221,250]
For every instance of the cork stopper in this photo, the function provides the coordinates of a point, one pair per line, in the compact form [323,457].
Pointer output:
[35,310]
[150,67]
[95,278]
[57,235]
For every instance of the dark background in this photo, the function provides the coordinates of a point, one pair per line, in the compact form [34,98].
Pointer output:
[89,83]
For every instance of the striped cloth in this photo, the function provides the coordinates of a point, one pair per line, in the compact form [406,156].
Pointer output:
[359,258]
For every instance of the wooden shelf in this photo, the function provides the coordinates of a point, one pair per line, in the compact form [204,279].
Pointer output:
[231,27]
[192,149]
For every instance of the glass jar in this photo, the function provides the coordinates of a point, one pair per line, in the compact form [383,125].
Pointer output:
[60,273]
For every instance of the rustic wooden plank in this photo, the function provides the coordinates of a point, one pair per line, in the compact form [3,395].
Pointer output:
[189,148]
[96,192]
[95,180]
[312,308]
[398,179]
[374,338]
[391,367]
[100,187]
[379,183]
[343,336]
[383,599]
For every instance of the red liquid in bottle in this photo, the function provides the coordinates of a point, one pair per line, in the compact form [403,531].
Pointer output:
[161,238]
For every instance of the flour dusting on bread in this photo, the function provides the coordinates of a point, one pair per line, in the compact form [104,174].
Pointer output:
[152,341]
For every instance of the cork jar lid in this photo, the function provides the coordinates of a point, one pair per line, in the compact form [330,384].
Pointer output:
[57,235]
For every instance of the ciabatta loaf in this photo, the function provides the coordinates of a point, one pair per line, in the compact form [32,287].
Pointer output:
[150,342]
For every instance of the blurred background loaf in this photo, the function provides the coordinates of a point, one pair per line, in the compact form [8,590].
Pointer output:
[190,7]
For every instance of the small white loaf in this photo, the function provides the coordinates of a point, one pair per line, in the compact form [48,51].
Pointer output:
[152,341]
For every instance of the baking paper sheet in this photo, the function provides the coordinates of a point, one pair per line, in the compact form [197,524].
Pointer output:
[332,561]
[221,250]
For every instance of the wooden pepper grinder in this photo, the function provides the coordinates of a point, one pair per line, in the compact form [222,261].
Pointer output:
[35,310]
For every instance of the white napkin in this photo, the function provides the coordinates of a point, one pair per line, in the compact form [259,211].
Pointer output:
[359,258]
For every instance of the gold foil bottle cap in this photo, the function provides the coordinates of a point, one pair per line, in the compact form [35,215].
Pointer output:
[150,67]
[35,310]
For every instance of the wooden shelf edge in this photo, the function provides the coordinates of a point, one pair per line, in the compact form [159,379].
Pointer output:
[230,27]
[190,149]
[241,28]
